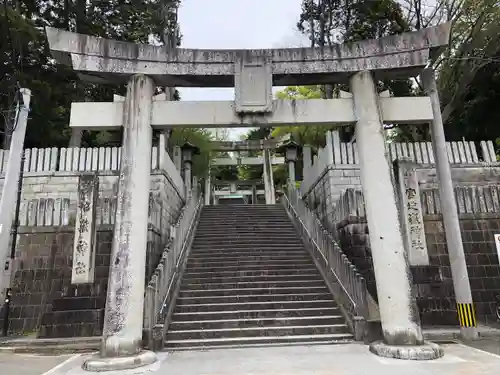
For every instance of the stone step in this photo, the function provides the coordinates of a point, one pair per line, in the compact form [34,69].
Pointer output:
[195,263]
[254,284]
[246,223]
[235,229]
[272,330]
[246,246]
[260,341]
[205,253]
[256,314]
[245,228]
[238,267]
[234,208]
[273,305]
[266,257]
[253,272]
[256,278]
[255,240]
[211,231]
[261,206]
[245,218]
[238,213]
[213,224]
[226,236]
[253,298]
[257,342]
[257,290]
[216,324]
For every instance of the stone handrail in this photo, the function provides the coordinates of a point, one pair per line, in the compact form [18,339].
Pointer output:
[343,279]
[160,289]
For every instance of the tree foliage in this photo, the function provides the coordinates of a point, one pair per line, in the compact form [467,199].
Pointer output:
[327,22]
[311,135]
[26,61]
[467,72]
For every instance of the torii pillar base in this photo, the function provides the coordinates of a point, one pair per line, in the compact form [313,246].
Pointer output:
[426,352]
[103,364]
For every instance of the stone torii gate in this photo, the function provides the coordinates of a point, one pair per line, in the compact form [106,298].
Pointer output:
[267,161]
[253,73]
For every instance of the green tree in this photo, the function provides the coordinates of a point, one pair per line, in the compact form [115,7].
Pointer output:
[201,138]
[467,71]
[311,135]
[26,60]
[328,22]
[469,74]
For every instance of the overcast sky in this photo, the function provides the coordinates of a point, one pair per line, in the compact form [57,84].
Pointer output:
[236,24]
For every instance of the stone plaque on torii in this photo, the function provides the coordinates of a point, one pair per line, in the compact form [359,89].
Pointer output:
[253,73]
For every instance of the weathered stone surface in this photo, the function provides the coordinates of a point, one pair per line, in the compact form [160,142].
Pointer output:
[105,60]
[122,332]
[411,213]
[85,226]
[100,364]
[425,352]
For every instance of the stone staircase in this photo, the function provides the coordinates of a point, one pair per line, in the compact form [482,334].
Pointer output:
[249,281]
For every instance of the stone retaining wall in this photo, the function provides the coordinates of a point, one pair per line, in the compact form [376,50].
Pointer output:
[477,192]
[43,299]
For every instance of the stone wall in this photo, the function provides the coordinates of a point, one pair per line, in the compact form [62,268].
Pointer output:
[477,192]
[51,199]
[42,281]
[43,299]
[481,258]
[433,285]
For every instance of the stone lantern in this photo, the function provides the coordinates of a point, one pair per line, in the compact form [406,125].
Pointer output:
[188,151]
[291,150]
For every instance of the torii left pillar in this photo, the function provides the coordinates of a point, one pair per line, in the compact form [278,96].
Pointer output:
[122,333]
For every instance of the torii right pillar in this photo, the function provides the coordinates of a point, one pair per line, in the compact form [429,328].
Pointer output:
[461,283]
[401,328]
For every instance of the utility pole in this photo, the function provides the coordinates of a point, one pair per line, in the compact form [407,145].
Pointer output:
[9,191]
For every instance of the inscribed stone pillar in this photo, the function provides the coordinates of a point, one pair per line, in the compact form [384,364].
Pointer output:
[398,311]
[122,333]
[85,230]
[461,284]
[411,213]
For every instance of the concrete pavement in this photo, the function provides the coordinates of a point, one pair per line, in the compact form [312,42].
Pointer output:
[349,359]
[29,364]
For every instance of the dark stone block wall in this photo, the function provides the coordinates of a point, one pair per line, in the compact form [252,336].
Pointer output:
[433,284]
[480,254]
[43,299]
[44,302]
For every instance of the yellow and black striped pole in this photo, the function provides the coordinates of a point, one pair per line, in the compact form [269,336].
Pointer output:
[451,222]
[466,315]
